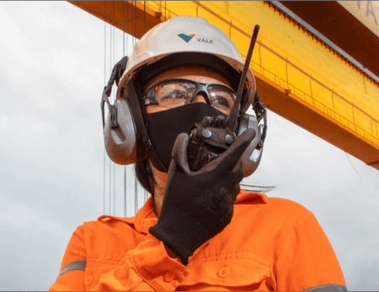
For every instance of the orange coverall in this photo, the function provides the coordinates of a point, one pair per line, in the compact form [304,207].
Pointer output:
[270,244]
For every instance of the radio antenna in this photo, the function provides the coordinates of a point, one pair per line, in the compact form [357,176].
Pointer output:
[233,115]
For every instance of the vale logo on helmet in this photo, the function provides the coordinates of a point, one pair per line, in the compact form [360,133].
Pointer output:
[187,38]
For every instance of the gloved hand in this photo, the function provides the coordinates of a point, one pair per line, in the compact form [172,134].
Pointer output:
[207,141]
[198,205]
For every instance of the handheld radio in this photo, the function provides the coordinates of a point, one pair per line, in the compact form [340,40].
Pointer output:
[211,137]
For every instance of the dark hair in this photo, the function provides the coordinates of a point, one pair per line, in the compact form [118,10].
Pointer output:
[145,175]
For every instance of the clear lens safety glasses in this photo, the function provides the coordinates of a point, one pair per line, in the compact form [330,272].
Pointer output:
[173,93]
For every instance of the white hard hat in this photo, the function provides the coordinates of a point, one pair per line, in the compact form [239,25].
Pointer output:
[184,34]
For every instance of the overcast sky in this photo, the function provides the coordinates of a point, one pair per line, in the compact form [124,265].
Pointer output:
[52,154]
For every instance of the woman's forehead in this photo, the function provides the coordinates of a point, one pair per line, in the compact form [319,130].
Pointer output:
[195,73]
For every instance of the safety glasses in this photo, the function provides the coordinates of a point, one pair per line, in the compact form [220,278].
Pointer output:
[172,93]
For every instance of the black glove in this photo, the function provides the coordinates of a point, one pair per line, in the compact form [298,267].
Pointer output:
[198,205]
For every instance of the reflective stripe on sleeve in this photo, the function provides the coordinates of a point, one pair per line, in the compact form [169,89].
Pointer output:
[74,266]
[328,288]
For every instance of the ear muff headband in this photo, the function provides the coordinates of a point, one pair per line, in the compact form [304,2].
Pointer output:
[117,72]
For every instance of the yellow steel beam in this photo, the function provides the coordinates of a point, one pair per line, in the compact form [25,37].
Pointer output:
[298,75]
[133,17]
[352,25]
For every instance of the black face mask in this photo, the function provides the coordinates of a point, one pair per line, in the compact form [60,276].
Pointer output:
[165,126]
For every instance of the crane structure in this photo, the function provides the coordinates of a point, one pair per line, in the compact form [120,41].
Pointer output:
[299,75]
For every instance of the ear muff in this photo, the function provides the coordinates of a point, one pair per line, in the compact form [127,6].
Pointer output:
[123,142]
[253,154]
[122,135]
[126,140]
[249,162]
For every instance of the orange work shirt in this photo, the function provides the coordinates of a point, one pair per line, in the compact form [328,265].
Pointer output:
[270,244]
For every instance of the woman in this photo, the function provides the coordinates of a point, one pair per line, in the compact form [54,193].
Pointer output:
[182,79]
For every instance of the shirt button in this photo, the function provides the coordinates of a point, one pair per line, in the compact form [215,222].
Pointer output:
[89,280]
[168,277]
[224,272]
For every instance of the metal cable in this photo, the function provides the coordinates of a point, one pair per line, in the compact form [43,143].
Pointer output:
[145,195]
[135,196]
[144,17]
[123,28]
[131,18]
[114,189]
[135,22]
[131,21]
[353,166]
[125,200]
[105,52]
[134,30]
[124,53]
[110,161]
[114,164]
[103,181]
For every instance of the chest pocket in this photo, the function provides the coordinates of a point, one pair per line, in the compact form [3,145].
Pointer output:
[96,268]
[228,274]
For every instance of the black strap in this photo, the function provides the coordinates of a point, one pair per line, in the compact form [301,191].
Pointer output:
[141,129]
[117,72]
[137,116]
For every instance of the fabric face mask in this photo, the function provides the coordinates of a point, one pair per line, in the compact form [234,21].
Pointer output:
[165,126]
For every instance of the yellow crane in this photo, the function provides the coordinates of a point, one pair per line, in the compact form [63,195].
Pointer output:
[299,76]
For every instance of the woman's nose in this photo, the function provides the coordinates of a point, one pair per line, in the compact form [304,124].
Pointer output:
[200,97]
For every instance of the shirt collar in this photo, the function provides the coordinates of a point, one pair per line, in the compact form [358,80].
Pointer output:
[246,197]
[145,217]
[142,221]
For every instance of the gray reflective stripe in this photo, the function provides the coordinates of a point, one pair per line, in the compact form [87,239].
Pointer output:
[74,266]
[328,288]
